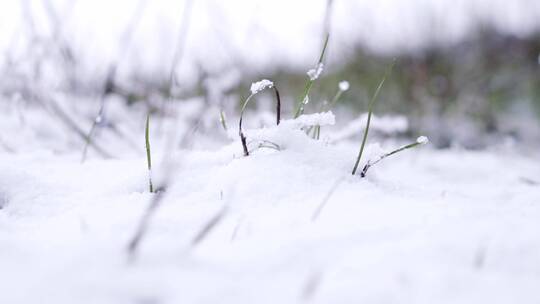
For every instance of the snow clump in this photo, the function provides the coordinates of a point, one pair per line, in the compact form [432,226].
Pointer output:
[422,140]
[316,72]
[344,85]
[256,87]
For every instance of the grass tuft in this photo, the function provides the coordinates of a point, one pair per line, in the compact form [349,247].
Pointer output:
[370,111]
[305,95]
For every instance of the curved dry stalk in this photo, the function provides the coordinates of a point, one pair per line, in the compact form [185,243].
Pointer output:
[243,139]
[266,144]
[209,226]
[142,227]
[326,198]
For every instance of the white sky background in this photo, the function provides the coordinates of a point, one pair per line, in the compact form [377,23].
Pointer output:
[251,33]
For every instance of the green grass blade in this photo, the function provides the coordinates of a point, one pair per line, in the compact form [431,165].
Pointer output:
[148,154]
[222,120]
[422,140]
[370,111]
[309,84]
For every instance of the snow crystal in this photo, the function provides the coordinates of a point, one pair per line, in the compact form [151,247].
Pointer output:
[256,87]
[316,72]
[344,85]
[422,140]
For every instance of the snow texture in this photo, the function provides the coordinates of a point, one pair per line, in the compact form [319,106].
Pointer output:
[424,227]
[433,226]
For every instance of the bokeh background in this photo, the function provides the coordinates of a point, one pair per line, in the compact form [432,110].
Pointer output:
[467,71]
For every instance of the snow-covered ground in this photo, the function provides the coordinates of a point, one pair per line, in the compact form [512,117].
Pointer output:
[288,226]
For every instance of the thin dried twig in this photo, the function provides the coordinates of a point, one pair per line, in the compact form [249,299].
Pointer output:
[209,226]
[326,198]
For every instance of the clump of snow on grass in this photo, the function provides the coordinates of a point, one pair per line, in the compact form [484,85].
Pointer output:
[258,86]
[315,72]
[422,140]
[306,100]
[344,85]
[310,120]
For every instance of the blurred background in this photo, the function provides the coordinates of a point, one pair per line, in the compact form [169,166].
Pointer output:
[467,71]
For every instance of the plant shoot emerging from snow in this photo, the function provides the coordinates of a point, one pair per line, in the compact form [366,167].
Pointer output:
[148,153]
[313,75]
[257,87]
[370,111]
[422,140]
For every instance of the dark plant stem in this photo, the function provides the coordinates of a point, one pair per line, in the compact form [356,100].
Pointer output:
[142,228]
[278,106]
[209,226]
[243,139]
[222,120]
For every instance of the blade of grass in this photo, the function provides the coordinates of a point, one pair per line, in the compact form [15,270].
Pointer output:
[222,120]
[243,139]
[418,142]
[143,225]
[309,84]
[370,111]
[148,154]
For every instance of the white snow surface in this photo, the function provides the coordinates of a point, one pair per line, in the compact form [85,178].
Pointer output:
[425,226]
